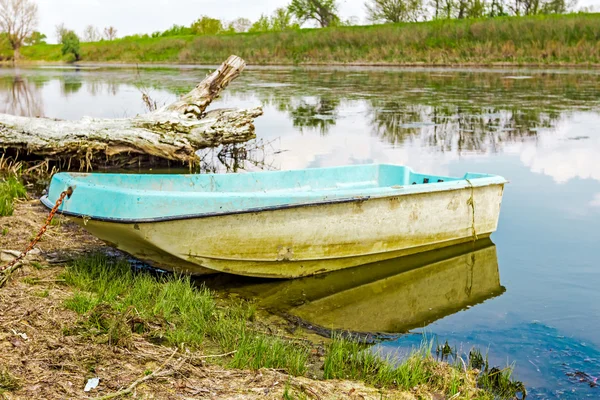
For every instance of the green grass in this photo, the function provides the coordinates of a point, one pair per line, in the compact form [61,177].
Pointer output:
[11,189]
[8,382]
[115,303]
[542,39]
[353,360]
[472,380]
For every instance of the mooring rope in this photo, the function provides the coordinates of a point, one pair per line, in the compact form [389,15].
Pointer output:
[61,198]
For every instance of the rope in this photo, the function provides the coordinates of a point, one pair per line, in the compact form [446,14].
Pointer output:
[37,238]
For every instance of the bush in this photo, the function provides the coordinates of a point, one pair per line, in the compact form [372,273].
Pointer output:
[70,46]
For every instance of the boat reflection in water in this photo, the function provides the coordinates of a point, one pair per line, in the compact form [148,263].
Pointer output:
[391,296]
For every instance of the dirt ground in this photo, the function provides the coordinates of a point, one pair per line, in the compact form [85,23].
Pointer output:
[44,363]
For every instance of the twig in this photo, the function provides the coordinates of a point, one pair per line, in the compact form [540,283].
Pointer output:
[217,355]
[7,272]
[310,391]
[138,381]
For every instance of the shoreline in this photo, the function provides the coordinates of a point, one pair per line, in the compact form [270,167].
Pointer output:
[374,65]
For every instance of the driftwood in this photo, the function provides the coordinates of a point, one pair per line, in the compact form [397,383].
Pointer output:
[172,133]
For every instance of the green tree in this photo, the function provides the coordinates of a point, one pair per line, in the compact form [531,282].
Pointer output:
[207,26]
[557,6]
[322,11]
[497,8]
[35,38]
[282,20]
[394,10]
[477,9]
[70,46]
[471,9]
[263,24]
[445,8]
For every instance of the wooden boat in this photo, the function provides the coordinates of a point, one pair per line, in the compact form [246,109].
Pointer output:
[385,297]
[282,224]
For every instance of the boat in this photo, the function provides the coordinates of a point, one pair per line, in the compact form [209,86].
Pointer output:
[280,224]
[386,297]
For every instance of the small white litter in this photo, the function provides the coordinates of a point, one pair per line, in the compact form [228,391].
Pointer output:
[92,383]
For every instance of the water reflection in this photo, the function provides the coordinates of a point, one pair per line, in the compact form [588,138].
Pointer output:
[319,113]
[385,297]
[70,85]
[20,97]
[456,128]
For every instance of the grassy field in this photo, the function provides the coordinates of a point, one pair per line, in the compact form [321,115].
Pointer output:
[546,39]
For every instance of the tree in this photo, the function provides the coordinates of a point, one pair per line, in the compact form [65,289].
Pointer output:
[70,45]
[91,34]
[322,11]
[476,9]
[18,19]
[110,33]
[394,10]
[261,25]
[447,8]
[241,24]
[35,38]
[207,26]
[497,9]
[59,32]
[558,6]
[282,20]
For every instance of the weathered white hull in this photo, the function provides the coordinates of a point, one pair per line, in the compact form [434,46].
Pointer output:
[309,239]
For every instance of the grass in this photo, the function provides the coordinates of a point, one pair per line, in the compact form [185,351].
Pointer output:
[8,382]
[472,379]
[352,360]
[115,303]
[11,189]
[542,39]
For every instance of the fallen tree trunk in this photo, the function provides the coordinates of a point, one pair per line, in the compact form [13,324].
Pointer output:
[172,133]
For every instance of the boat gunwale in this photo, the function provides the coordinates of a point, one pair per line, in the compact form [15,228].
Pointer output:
[456,185]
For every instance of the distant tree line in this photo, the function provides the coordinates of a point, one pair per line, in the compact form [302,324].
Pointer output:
[325,13]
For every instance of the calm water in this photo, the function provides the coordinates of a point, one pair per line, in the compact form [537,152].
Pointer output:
[532,296]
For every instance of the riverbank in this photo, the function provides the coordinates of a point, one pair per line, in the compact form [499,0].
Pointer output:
[572,39]
[77,311]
